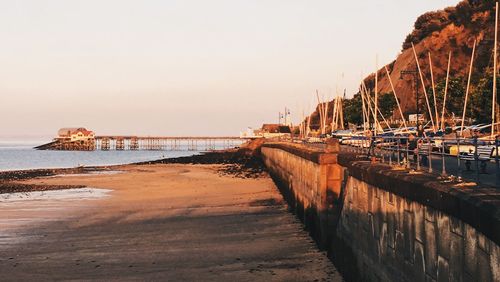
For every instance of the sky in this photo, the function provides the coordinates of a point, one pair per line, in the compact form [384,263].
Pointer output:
[191,68]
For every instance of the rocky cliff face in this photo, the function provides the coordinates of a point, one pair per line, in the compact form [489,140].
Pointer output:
[452,30]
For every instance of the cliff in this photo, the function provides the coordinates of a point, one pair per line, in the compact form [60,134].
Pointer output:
[452,29]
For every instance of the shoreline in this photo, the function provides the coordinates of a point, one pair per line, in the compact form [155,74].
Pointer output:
[242,162]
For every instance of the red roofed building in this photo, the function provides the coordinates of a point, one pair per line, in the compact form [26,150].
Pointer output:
[75,134]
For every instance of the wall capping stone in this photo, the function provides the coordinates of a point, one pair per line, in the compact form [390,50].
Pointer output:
[315,155]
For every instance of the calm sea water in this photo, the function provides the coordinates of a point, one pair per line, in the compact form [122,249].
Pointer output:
[17,155]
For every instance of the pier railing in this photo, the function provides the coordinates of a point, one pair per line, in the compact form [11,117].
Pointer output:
[451,159]
[152,143]
[121,143]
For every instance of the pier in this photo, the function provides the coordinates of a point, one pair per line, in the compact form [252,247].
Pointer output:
[158,143]
[150,143]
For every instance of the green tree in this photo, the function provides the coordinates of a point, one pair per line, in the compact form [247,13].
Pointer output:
[454,100]
[387,104]
[481,99]
[353,109]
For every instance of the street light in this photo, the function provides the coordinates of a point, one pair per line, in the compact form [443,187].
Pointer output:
[414,73]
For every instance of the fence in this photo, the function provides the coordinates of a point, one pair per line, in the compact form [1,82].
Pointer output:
[452,159]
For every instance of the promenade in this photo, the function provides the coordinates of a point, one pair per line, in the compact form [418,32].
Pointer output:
[160,222]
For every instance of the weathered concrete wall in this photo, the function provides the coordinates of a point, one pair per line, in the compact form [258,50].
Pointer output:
[375,233]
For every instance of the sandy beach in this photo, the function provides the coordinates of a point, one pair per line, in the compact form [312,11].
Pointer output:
[165,222]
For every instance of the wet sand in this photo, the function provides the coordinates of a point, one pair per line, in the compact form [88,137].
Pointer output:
[160,222]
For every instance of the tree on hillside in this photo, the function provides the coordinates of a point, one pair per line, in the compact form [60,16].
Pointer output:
[481,98]
[454,99]
[466,13]
[353,109]
[425,25]
[387,104]
[462,13]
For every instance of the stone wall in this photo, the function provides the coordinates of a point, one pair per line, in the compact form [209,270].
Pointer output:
[310,181]
[396,239]
[377,228]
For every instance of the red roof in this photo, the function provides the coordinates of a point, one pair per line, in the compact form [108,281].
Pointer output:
[70,131]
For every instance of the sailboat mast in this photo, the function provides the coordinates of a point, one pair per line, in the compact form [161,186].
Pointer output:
[468,88]
[334,115]
[320,110]
[383,118]
[494,102]
[396,97]
[325,116]
[371,111]
[445,91]
[366,117]
[423,86]
[376,123]
[341,105]
[376,90]
[434,90]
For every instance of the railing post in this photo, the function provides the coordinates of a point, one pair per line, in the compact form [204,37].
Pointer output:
[458,157]
[372,148]
[497,160]
[408,165]
[382,151]
[476,159]
[390,153]
[429,157]
[418,154]
[443,170]
[399,151]
[366,147]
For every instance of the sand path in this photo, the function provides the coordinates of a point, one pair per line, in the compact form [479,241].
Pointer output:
[160,222]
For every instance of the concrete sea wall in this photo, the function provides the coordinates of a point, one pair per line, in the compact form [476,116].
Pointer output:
[384,225]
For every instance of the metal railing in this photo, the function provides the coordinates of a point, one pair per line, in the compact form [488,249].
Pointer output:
[451,159]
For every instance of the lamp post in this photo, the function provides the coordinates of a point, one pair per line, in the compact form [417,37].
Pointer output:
[414,74]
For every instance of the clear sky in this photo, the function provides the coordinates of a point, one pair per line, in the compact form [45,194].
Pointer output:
[185,67]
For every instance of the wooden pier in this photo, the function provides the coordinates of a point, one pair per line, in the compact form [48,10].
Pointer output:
[156,143]
[151,143]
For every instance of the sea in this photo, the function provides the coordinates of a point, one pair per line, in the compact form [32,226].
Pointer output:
[20,155]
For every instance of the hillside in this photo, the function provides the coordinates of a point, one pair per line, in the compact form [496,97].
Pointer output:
[452,29]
